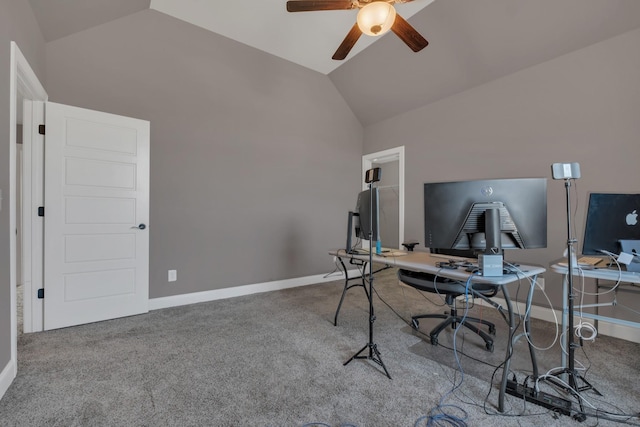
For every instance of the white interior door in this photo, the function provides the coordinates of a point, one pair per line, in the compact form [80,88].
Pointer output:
[96,239]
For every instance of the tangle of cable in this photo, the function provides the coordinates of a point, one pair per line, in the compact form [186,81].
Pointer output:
[438,415]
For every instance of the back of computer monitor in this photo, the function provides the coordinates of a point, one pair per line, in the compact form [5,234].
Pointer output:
[450,207]
[369,214]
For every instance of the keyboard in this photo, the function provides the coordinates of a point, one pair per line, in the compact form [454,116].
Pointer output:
[585,262]
[589,261]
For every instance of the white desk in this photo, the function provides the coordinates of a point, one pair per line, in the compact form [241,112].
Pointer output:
[426,262]
[599,274]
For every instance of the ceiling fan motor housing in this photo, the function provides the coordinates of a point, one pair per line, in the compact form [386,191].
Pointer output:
[376,18]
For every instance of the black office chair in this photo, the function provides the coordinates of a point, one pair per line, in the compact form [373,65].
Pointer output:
[450,289]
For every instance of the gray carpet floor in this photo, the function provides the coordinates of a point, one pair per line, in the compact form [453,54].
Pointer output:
[276,359]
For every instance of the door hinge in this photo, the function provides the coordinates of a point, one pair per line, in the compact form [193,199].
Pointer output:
[41,129]
[41,293]
[41,211]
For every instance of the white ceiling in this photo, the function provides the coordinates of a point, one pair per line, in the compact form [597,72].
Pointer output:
[306,38]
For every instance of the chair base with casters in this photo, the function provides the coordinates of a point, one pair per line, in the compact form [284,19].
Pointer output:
[450,289]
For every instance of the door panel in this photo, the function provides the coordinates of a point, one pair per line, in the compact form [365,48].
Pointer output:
[94,173]
[100,210]
[96,195]
[83,248]
[99,284]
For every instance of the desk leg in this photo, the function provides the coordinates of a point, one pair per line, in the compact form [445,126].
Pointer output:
[527,324]
[507,360]
[347,287]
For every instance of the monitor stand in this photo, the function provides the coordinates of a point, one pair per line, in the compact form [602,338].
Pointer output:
[632,247]
[349,246]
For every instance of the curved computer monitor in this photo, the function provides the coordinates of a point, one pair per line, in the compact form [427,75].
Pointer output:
[611,218]
[486,215]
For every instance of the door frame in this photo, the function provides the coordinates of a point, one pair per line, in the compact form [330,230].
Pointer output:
[33,226]
[384,156]
[22,82]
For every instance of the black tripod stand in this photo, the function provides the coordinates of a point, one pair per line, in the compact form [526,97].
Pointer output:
[373,354]
[570,370]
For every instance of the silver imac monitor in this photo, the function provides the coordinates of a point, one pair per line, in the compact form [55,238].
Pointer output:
[611,218]
[456,214]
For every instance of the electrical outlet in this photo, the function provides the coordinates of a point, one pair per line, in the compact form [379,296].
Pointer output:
[173,275]
[540,282]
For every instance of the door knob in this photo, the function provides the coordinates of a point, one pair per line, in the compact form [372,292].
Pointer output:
[141,227]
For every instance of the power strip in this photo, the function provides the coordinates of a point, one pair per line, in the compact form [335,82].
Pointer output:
[541,398]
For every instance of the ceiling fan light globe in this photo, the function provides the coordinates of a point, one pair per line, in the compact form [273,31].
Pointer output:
[376,18]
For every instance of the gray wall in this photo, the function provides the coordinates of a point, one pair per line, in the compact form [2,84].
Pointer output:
[255,161]
[581,107]
[18,24]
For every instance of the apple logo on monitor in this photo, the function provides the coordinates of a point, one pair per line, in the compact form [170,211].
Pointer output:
[632,218]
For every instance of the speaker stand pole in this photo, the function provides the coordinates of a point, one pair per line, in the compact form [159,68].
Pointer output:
[570,370]
[373,354]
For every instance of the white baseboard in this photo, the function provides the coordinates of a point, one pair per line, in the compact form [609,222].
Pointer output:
[237,291]
[624,332]
[614,330]
[6,377]
[543,313]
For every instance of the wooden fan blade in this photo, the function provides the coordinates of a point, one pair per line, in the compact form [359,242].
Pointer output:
[408,34]
[311,5]
[347,43]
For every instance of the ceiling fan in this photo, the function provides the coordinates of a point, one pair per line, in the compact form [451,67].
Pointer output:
[375,18]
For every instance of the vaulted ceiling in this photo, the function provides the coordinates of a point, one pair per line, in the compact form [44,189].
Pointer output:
[471,41]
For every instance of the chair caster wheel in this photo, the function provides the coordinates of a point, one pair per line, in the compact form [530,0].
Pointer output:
[434,341]
[492,330]
[415,324]
[489,347]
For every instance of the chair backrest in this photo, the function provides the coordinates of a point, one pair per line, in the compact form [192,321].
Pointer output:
[441,285]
